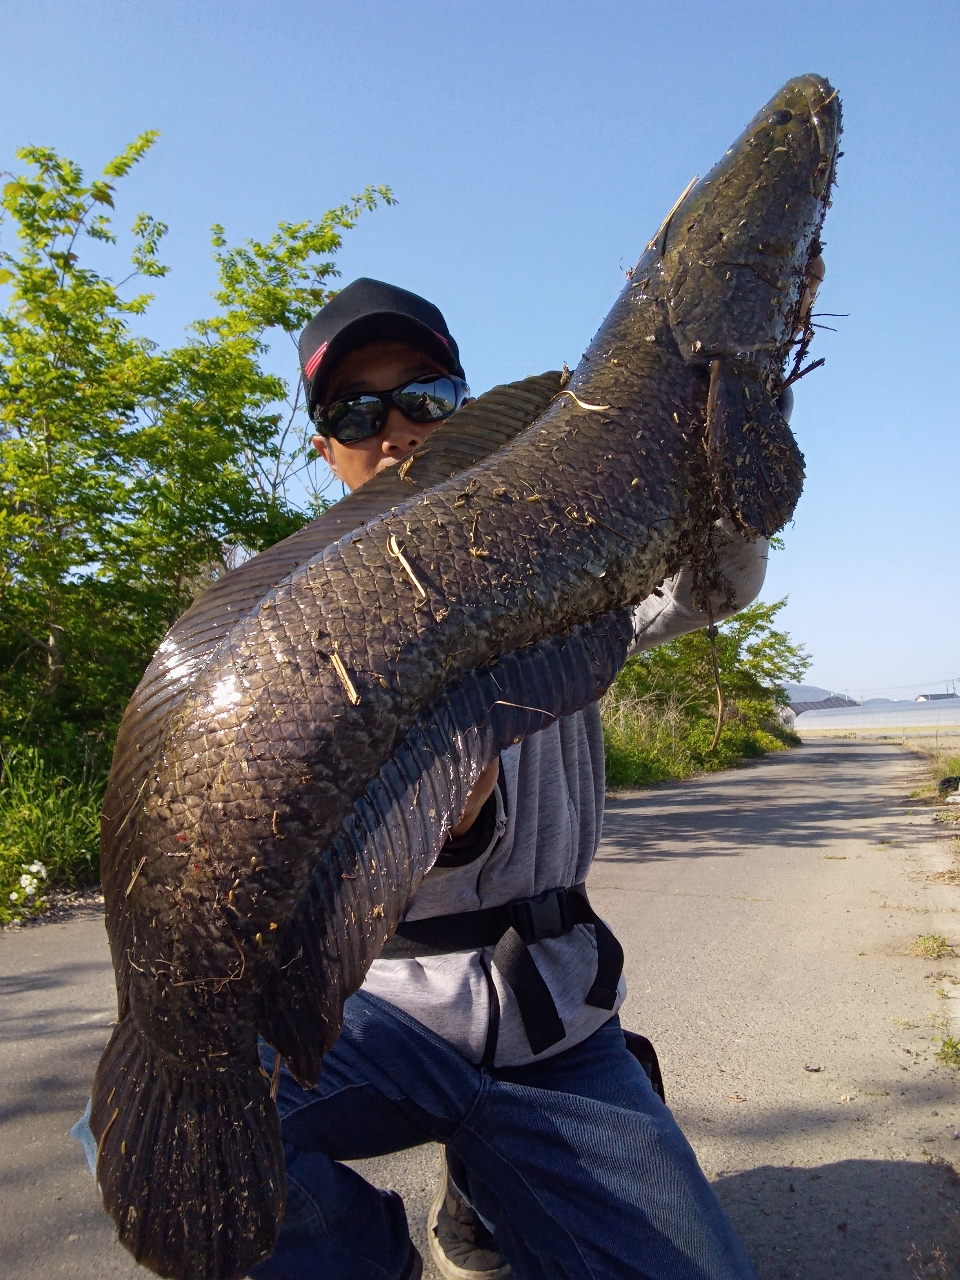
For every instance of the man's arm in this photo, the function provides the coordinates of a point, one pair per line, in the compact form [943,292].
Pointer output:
[673,612]
[663,617]
[481,793]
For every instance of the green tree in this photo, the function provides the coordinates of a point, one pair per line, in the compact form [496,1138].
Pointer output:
[131,476]
[660,715]
[754,658]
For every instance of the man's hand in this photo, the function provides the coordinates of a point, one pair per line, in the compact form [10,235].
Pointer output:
[478,797]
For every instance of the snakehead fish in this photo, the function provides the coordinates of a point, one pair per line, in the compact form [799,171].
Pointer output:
[306,736]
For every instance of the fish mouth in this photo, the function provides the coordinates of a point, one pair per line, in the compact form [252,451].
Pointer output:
[723,239]
[811,104]
[825,114]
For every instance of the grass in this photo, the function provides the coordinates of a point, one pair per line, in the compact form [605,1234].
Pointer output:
[943,758]
[949,1052]
[642,741]
[932,946]
[653,741]
[49,833]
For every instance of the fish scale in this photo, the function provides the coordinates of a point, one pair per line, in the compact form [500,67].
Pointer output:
[307,759]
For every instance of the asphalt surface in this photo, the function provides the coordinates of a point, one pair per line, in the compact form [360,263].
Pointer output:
[768,917]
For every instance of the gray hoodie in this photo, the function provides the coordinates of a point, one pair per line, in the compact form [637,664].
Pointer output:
[548,825]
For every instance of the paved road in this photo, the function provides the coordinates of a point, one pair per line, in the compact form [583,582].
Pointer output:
[767,916]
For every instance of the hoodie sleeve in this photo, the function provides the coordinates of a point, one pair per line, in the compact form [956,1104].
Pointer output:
[671,612]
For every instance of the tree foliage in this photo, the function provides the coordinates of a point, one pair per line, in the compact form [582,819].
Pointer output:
[659,717]
[130,476]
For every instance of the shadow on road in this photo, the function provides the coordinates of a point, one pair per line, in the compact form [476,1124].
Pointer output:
[61,975]
[873,1100]
[48,1094]
[824,1224]
[39,1029]
[817,807]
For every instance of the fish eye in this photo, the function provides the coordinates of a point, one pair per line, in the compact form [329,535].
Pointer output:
[780,117]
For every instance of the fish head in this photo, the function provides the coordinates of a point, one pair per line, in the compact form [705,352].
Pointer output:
[735,252]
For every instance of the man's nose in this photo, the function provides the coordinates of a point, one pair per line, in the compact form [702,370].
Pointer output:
[400,435]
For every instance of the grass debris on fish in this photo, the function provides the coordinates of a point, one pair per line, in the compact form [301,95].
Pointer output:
[306,736]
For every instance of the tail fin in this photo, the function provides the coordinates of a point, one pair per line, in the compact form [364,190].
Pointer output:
[189,1159]
[756,465]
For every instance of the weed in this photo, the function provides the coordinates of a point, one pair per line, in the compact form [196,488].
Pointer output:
[932,946]
[935,1265]
[943,759]
[644,742]
[952,876]
[949,1052]
[651,740]
[49,833]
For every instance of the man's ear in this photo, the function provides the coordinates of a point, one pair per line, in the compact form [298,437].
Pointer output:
[324,446]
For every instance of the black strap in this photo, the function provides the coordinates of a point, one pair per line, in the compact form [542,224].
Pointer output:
[549,915]
[603,993]
[516,965]
[511,929]
[493,1022]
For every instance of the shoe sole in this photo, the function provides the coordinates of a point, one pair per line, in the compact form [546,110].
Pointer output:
[449,1270]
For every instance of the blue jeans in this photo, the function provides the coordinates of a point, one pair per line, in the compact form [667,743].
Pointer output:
[575,1161]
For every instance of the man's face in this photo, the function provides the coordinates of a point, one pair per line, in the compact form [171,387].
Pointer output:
[379,366]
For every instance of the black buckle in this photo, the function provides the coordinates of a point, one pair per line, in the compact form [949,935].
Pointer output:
[545,916]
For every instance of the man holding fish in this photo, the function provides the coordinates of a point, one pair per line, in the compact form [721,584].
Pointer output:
[381,371]
[357,793]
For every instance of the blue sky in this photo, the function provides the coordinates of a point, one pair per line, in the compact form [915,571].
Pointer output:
[534,148]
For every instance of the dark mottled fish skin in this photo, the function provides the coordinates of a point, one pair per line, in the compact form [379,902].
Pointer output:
[305,781]
[732,285]
[481,428]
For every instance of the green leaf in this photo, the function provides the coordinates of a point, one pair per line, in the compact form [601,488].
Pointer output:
[131,475]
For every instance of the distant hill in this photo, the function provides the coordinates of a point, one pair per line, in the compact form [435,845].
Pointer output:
[807,693]
[813,693]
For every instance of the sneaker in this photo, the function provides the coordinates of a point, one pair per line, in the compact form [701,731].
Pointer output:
[461,1245]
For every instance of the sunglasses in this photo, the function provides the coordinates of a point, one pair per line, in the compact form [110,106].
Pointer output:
[423,400]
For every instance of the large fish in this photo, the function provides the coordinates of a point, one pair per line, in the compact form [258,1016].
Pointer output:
[294,758]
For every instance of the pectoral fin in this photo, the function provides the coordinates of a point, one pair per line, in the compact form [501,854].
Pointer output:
[756,465]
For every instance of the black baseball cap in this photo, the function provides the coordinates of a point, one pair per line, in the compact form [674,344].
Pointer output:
[371,311]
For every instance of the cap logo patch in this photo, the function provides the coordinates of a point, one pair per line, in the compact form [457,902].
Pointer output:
[310,368]
[442,339]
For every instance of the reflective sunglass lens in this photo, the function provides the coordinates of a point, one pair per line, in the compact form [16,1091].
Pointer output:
[428,401]
[355,419]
